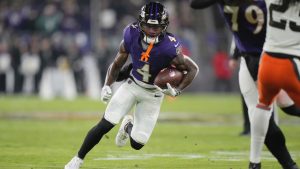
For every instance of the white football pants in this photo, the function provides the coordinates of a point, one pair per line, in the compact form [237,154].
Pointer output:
[147,106]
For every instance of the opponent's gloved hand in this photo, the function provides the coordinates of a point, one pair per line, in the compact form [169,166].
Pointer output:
[106,94]
[169,91]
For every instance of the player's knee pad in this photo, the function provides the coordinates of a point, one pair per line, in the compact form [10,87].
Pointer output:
[135,145]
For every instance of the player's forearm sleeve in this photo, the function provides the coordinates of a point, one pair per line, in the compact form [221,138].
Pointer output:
[200,4]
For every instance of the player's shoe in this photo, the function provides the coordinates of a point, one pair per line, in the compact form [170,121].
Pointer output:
[254,166]
[122,136]
[75,163]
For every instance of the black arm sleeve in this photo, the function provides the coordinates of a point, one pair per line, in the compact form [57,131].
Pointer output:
[201,4]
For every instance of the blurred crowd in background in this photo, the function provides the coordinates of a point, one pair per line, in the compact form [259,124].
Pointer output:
[63,47]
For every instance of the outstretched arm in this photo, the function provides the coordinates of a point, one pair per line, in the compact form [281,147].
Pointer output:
[113,72]
[201,4]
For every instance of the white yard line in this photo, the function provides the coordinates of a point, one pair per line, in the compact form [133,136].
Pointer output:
[144,156]
[213,155]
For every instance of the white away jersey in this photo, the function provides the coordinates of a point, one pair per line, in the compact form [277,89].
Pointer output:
[283,28]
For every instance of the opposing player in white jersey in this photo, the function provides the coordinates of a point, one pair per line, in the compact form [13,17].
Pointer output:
[279,68]
[247,21]
[151,49]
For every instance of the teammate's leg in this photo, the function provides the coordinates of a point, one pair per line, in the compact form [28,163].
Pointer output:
[248,87]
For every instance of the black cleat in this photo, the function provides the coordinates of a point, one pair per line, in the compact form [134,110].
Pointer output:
[254,166]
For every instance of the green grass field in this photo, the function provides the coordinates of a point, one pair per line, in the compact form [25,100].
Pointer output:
[193,132]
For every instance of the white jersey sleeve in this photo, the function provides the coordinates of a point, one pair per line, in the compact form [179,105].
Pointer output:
[283,28]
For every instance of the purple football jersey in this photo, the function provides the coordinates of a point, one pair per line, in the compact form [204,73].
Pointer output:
[160,56]
[248,24]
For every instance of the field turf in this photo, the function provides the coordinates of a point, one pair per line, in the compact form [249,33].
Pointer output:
[193,132]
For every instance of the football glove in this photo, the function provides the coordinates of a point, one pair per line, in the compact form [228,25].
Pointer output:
[106,94]
[169,91]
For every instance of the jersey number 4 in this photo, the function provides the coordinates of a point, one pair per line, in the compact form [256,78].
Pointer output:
[144,72]
[281,24]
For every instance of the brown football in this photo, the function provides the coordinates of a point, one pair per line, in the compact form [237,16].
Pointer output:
[168,75]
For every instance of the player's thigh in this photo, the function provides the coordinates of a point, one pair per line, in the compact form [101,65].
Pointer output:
[120,103]
[269,79]
[145,118]
[293,80]
[247,86]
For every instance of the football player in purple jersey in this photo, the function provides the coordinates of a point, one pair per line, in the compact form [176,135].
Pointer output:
[247,21]
[151,48]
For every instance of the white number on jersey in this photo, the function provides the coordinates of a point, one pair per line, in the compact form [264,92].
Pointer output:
[172,39]
[281,24]
[144,71]
[253,15]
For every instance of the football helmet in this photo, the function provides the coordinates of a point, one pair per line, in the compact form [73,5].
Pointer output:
[153,15]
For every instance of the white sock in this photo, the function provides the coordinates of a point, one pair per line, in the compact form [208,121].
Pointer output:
[259,127]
